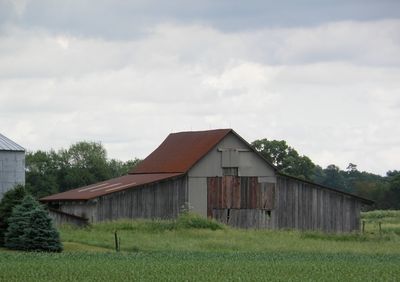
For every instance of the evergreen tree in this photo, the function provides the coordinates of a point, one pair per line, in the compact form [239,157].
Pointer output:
[30,228]
[10,199]
[41,235]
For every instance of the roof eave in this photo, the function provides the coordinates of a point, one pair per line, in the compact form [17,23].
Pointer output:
[46,199]
[255,151]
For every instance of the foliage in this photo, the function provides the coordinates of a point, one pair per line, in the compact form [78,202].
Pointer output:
[18,222]
[382,214]
[285,158]
[30,228]
[163,235]
[84,163]
[333,178]
[186,220]
[81,164]
[10,199]
[384,191]
[393,195]
[191,220]
[118,168]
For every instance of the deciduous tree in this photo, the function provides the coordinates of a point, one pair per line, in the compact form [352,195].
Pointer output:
[285,158]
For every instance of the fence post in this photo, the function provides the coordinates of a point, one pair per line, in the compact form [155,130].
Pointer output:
[116,241]
[363,226]
[380,228]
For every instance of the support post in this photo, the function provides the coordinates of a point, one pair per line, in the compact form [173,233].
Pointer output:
[116,241]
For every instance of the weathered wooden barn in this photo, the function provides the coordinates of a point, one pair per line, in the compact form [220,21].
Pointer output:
[12,164]
[220,176]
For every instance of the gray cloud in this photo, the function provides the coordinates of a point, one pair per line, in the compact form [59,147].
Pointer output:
[128,19]
[329,88]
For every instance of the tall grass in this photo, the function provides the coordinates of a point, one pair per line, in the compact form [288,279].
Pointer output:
[186,220]
[193,233]
[193,248]
[381,214]
[383,222]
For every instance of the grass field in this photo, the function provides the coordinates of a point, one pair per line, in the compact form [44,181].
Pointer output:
[194,250]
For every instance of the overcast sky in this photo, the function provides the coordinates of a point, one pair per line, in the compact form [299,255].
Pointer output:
[322,75]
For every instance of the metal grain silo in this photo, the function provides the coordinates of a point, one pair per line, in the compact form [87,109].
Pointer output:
[12,164]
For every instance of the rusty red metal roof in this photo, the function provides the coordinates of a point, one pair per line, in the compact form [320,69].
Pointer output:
[174,157]
[180,151]
[109,186]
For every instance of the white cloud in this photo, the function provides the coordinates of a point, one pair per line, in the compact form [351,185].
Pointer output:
[327,90]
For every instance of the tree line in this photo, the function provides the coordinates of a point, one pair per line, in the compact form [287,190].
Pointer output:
[384,190]
[82,164]
[85,163]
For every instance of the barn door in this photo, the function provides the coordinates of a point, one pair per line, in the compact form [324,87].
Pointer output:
[232,199]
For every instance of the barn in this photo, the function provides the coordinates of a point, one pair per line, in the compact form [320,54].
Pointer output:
[219,175]
[12,164]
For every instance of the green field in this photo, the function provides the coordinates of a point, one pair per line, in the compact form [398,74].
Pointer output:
[194,250]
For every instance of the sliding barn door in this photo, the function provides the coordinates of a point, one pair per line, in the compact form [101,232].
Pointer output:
[240,201]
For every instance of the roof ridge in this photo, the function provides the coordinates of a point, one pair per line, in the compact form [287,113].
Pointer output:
[180,151]
[202,131]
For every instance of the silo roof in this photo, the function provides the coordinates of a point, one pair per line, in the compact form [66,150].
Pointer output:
[9,145]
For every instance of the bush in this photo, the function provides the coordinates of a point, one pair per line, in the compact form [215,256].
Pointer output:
[10,199]
[192,220]
[186,220]
[31,229]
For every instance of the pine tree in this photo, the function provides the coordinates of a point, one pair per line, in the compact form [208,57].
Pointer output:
[10,199]
[31,229]
[41,235]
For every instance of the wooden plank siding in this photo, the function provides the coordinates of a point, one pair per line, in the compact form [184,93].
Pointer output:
[162,200]
[60,217]
[243,202]
[306,206]
[159,200]
[240,201]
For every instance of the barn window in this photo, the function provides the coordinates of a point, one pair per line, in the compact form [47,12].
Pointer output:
[230,157]
[230,171]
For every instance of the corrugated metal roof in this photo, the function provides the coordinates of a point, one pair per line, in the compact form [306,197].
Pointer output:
[180,151]
[109,186]
[9,145]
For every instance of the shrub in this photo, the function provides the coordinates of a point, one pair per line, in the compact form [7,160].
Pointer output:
[192,220]
[10,199]
[186,220]
[31,229]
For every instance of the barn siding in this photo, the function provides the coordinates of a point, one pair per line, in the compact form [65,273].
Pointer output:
[244,202]
[240,201]
[306,206]
[60,217]
[159,200]
[82,209]
[250,163]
